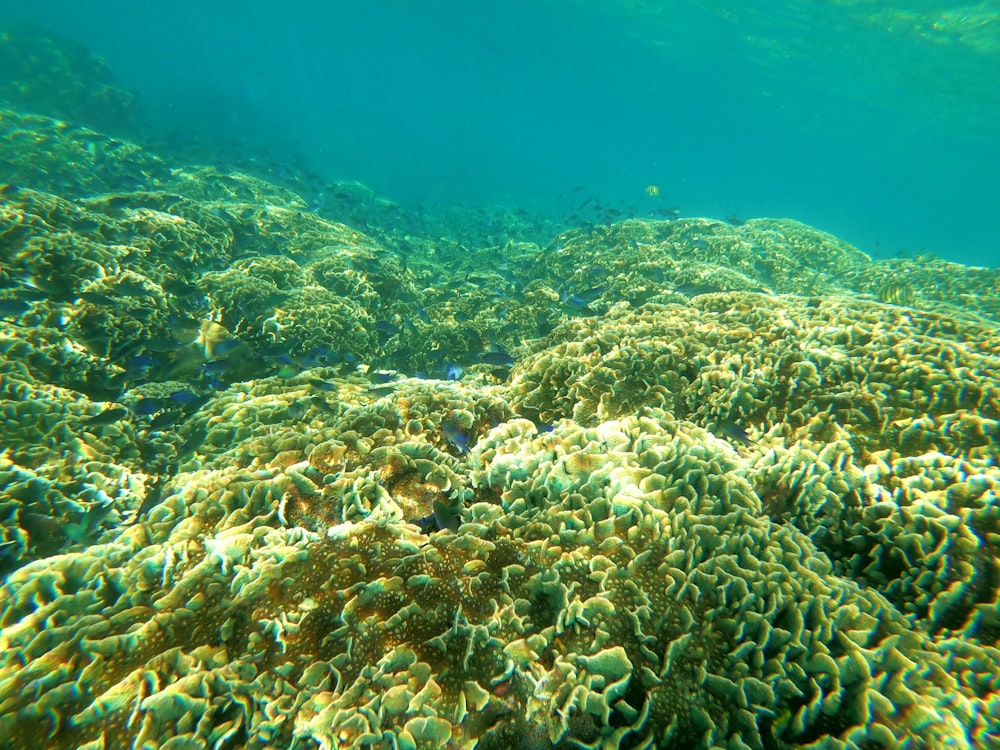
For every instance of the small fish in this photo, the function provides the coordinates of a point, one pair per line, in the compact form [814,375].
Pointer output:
[652,190]
[147,406]
[383,376]
[192,444]
[96,298]
[154,493]
[453,371]
[188,399]
[165,419]
[106,417]
[180,288]
[733,431]
[379,391]
[139,365]
[296,410]
[321,385]
[498,358]
[134,289]
[447,517]
[455,437]
[321,403]
[896,293]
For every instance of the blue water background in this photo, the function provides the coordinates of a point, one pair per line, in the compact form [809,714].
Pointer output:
[874,121]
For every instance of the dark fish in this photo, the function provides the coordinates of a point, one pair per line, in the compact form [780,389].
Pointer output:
[321,385]
[106,417]
[154,493]
[96,298]
[138,365]
[165,419]
[733,431]
[498,358]
[134,289]
[321,403]
[192,444]
[383,376]
[386,328]
[297,410]
[500,373]
[455,437]
[446,517]
[146,406]
[184,397]
[180,288]
[379,391]
[216,369]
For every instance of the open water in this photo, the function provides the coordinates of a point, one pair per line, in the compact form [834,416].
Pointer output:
[875,121]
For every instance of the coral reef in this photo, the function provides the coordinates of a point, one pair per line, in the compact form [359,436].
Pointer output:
[269,480]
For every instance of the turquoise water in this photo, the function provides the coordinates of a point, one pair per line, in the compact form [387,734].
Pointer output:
[873,121]
[436,377]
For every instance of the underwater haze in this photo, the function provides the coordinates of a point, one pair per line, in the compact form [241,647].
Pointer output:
[875,121]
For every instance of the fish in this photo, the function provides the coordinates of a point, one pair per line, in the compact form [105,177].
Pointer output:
[652,190]
[165,419]
[296,410]
[896,293]
[108,416]
[500,373]
[147,406]
[96,298]
[453,371]
[190,401]
[154,493]
[455,437]
[321,403]
[134,289]
[180,288]
[213,337]
[189,446]
[733,431]
[498,358]
[379,391]
[446,517]
[321,385]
